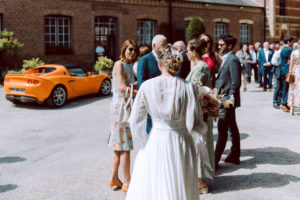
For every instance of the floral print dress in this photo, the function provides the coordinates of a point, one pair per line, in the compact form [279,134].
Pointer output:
[120,138]
[294,90]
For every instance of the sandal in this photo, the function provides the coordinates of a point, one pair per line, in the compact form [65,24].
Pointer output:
[203,188]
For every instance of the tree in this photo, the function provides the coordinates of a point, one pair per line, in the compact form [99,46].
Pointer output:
[8,47]
[195,29]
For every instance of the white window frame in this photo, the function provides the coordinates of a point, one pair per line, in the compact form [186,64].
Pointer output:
[219,29]
[245,34]
[58,28]
[146,31]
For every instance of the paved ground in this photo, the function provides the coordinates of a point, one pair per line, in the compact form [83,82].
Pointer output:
[62,154]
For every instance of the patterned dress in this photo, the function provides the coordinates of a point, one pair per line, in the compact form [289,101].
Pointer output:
[120,139]
[294,90]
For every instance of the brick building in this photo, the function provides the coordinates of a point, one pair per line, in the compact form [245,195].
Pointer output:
[67,31]
[282,18]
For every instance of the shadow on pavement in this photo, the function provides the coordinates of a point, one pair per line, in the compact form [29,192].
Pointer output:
[5,188]
[243,136]
[72,103]
[11,159]
[268,155]
[222,184]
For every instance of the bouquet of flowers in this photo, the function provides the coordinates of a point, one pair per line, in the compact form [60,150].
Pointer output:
[103,64]
[209,101]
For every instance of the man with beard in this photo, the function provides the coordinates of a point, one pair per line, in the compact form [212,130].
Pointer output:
[228,84]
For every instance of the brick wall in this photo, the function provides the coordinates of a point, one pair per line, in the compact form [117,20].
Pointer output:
[27,17]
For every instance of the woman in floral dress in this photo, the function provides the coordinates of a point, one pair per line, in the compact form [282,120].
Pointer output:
[294,90]
[120,138]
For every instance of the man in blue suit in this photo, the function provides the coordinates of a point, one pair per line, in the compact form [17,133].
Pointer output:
[285,56]
[148,67]
[264,59]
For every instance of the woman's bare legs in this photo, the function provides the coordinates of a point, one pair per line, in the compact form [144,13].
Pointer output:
[125,165]
[245,82]
[116,163]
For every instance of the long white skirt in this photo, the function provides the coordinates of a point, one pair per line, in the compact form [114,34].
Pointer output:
[166,168]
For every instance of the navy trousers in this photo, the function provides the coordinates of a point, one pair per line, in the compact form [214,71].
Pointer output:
[285,89]
[277,97]
[226,122]
[268,75]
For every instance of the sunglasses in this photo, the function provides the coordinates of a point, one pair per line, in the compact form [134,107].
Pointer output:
[222,45]
[132,50]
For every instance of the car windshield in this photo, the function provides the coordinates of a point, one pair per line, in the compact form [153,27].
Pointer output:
[46,69]
[77,72]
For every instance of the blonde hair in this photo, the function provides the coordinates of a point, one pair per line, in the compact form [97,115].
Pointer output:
[170,58]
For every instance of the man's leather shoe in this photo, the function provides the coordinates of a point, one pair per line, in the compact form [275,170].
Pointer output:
[285,108]
[233,161]
[276,106]
[264,90]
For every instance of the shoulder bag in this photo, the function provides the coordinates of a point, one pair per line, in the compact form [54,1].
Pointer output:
[125,109]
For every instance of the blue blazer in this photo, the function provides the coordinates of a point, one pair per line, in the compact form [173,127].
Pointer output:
[262,58]
[285,56]
[147,68]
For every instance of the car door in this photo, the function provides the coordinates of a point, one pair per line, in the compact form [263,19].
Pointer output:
[79,82]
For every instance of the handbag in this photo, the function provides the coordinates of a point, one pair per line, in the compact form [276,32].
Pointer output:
[126,106]
[290,78]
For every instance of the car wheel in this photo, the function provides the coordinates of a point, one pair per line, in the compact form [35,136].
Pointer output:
[58,97]
[105,88]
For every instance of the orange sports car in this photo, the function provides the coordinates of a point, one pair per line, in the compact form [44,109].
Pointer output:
[54,84]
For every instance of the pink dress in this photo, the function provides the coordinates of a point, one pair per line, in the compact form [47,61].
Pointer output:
[294,90]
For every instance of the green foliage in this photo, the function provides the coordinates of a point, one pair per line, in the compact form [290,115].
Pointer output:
[195,29]
[103,64]
[8,42]
[32,63]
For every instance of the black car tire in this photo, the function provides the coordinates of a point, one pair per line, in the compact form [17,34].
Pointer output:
[57,97]
[105,88]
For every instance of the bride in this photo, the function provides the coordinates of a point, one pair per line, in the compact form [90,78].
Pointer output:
[165,167]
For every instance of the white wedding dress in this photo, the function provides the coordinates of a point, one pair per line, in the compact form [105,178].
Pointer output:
[165,167]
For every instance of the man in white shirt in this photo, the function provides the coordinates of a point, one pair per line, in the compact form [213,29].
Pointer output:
[253,64]
[264,58]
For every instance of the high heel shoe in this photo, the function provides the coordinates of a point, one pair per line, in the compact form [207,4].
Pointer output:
[113,184]
[124,189]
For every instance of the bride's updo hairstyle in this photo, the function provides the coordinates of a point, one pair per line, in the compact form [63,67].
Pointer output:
[198,45]
[170,58]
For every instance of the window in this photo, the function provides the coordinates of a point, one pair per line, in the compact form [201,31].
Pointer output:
[245,34]
[220,29]
[146,31]
[282,7]
[105,35]
[77,71]
[58,34]
[186,25]
[0,24]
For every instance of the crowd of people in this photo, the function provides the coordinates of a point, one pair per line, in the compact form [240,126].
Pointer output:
[178,154]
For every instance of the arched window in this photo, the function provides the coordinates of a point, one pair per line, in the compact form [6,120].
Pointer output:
[146,31]
[220,29]
[1,23]
[245,34]
[58,34]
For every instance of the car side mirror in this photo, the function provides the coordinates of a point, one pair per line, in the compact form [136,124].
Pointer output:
[89,73]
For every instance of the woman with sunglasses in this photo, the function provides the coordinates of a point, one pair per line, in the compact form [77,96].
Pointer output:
[120,138]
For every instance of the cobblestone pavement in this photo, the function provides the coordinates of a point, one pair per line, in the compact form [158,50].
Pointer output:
[62,154]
